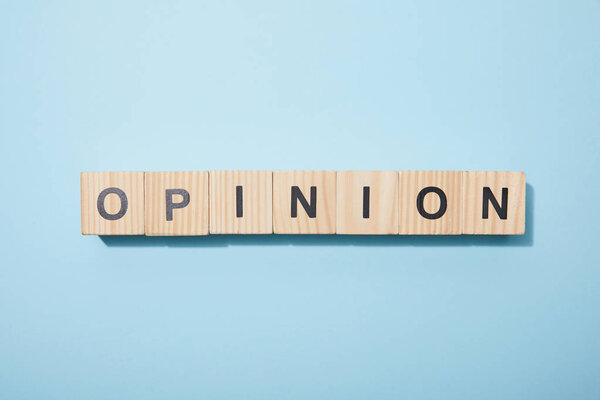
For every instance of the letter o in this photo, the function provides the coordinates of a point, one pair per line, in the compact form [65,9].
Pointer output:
[102,197]
[443,202]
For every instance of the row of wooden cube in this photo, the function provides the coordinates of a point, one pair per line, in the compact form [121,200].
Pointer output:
[302,202]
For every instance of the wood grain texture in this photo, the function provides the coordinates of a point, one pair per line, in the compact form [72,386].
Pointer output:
[257,202]
[383,211]
[411,184]
[191,220]
[132,184]
[473,187]
[324,220]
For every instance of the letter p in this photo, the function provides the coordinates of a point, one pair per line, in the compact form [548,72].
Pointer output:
[170,205]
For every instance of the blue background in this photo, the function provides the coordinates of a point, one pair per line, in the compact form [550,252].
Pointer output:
[503,85]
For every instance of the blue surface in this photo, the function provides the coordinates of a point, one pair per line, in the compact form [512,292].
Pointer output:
[503,85]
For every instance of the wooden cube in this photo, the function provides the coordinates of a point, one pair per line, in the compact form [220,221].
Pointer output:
[430,202]
[241,202]
[367,202]
[176,203]
[304,202]
[112,203]
[494,203]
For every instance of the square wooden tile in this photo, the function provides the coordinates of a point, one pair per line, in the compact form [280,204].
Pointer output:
[241,202]
[494,203]
[430,202]
[112,203]
[176,203]
[367,202]
[304,202]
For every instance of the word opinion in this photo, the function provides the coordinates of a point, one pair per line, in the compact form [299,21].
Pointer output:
[194,203]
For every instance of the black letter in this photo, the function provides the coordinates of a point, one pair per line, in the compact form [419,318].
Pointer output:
[311,209]
[366,200]
[443,202]
[239,202]
[169,201]
[100,203]
[488,197]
